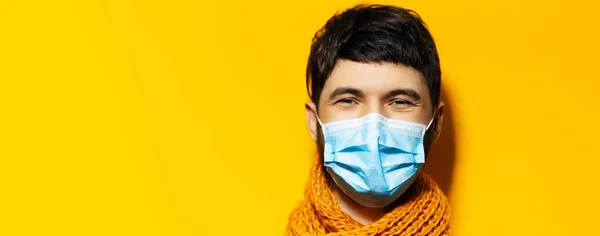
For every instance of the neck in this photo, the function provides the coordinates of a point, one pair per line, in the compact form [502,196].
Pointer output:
[361,214]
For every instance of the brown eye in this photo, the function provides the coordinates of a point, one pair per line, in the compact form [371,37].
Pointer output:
[401,104]
[346,102]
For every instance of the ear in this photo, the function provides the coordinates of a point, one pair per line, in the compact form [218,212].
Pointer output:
[311,119]
[439,116]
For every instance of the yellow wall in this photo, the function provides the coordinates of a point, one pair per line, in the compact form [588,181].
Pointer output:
[186,117]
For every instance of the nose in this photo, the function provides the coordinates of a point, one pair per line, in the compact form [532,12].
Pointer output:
[373,106]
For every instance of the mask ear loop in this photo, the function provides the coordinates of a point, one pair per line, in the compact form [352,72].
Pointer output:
[319,120]
[430,122]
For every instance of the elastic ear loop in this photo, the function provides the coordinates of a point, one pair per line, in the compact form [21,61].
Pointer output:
[319,120]
[430,122]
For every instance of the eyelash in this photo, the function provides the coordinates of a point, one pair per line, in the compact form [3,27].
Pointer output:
[403,102]
[346,101]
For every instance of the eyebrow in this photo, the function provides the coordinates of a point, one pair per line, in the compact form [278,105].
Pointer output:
[346,90]
[390,94]
[407,92]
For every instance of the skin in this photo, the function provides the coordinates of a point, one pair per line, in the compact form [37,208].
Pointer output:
[355,89]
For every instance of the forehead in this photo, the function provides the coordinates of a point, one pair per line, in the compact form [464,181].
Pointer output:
[375,77]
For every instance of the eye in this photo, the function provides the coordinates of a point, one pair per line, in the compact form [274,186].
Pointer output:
[346,102]
[401,104]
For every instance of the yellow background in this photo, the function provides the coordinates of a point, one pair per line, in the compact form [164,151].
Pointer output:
[187,118]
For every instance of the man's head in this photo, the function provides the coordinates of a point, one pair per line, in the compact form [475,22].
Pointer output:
[374,59]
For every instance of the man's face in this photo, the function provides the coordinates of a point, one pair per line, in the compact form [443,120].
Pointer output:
[355,89]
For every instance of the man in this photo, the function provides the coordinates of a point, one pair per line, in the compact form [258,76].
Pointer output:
[373,76]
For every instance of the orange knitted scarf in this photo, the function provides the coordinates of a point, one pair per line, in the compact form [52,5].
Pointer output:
[421,210]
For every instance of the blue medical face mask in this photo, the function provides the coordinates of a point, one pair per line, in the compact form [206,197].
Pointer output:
[373,159]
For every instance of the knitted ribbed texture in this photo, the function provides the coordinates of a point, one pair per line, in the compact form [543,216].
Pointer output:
[421,210]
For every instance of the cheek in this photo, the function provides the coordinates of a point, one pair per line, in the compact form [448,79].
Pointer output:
[336,113]
[417,115]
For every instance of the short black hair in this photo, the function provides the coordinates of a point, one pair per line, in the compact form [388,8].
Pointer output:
[373,34]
